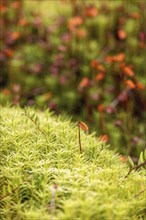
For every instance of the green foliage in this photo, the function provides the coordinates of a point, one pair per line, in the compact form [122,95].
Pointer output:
[142,157]
[45,176]
[130,161]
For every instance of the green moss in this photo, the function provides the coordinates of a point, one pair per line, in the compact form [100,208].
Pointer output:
[44,176]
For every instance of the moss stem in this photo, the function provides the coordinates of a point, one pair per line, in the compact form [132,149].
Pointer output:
[79,134]
[136,168]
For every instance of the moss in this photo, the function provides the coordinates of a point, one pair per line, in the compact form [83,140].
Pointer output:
[44,176]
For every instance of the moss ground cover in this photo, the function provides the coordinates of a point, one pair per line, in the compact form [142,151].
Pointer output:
[44,176]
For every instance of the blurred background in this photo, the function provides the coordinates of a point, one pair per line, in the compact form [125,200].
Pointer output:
[82,58]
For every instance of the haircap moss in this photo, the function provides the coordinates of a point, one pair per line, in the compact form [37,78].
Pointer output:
[44,176]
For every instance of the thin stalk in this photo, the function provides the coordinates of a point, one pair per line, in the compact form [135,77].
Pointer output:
[79,135]
[136,168]
[138,194]
[39,129]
